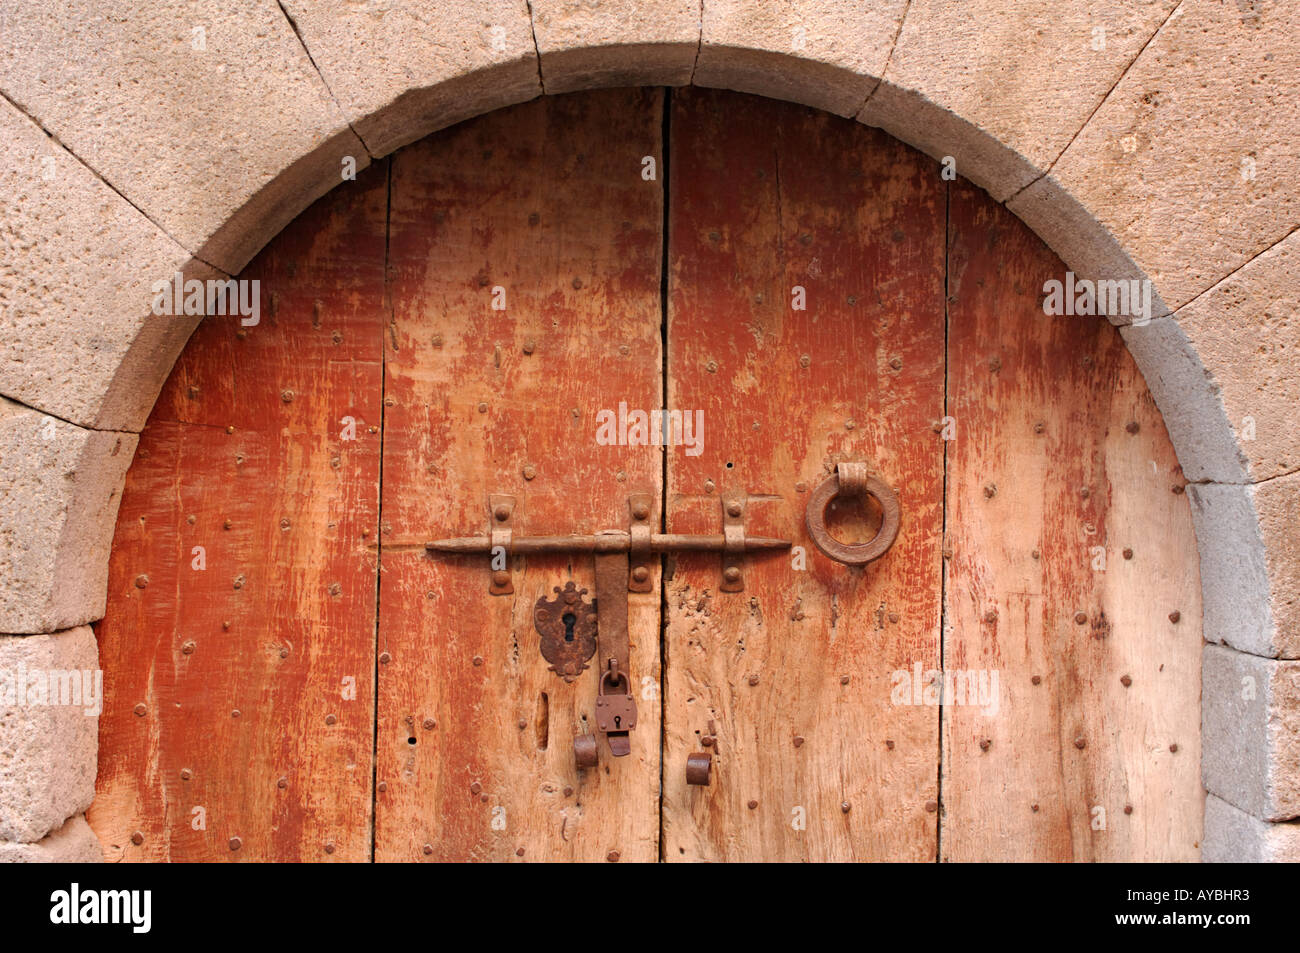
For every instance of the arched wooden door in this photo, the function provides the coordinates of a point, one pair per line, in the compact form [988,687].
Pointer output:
[290,675]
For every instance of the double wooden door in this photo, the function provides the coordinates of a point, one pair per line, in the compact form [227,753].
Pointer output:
[291,676]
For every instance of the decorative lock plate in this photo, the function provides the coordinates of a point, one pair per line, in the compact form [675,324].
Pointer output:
[567,625]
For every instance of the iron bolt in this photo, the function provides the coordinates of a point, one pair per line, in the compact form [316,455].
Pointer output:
[331,719]
[641,511]
[613,856]
[528,346]
[329,847]
[1081,617]
[429,724]
[478,660]
[1133,427]
[141,581]
[732,574]
[752,805]
[236,843]
[753,680]
[1125,680]
[186,774]
[990,490]
[931,806]
[476,788]
[282,783]
[734,509]
[502,512]
[798,740]
[1175,616]
[500,577]
[137,838]
[845,806]
[287,396]
[428,849]
[188,648]
[482,407]
[1128,554]
[530,471]
[384,658]
[1081,743]
[1036,679]
[140,710]
[1173,749]
[640,574]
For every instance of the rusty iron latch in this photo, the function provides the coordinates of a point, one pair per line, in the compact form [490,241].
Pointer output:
[572,629]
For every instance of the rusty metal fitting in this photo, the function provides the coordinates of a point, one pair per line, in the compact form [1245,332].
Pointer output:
[698,768]
[585,751]
[851,479]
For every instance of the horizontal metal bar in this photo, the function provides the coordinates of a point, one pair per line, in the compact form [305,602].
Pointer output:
[616,541]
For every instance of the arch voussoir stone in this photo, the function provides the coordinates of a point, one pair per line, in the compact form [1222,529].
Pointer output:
[402,70]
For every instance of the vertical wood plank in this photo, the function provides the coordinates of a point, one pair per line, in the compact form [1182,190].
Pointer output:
[547,202]
[1060,460]
[813,761]
[226,734]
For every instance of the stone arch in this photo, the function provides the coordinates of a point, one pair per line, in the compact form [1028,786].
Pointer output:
[1144,144]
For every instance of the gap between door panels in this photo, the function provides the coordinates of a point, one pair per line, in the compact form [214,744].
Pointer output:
[943,519]
[385,332]
[665,169]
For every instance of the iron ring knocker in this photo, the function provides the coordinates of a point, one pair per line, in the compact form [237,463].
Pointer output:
[851,479]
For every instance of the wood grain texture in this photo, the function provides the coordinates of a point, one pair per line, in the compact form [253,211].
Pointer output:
[1048,475]
[547,202]
[766,196]
[247,432]
[816,684]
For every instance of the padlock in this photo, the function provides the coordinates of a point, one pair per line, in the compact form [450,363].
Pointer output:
[615,712]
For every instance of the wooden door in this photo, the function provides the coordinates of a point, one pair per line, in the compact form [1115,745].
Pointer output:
[452,325]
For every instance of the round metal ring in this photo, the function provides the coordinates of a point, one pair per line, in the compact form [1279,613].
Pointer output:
[853,554]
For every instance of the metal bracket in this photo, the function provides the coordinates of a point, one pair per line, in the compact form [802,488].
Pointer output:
[733,546]
[501,511]
[640,508]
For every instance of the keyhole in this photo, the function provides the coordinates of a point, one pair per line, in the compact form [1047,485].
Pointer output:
[569,620]
[618,721]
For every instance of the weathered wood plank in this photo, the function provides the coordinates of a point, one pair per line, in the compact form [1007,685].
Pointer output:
[766,196]
[244,457]
[1047,476]
[545,201]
